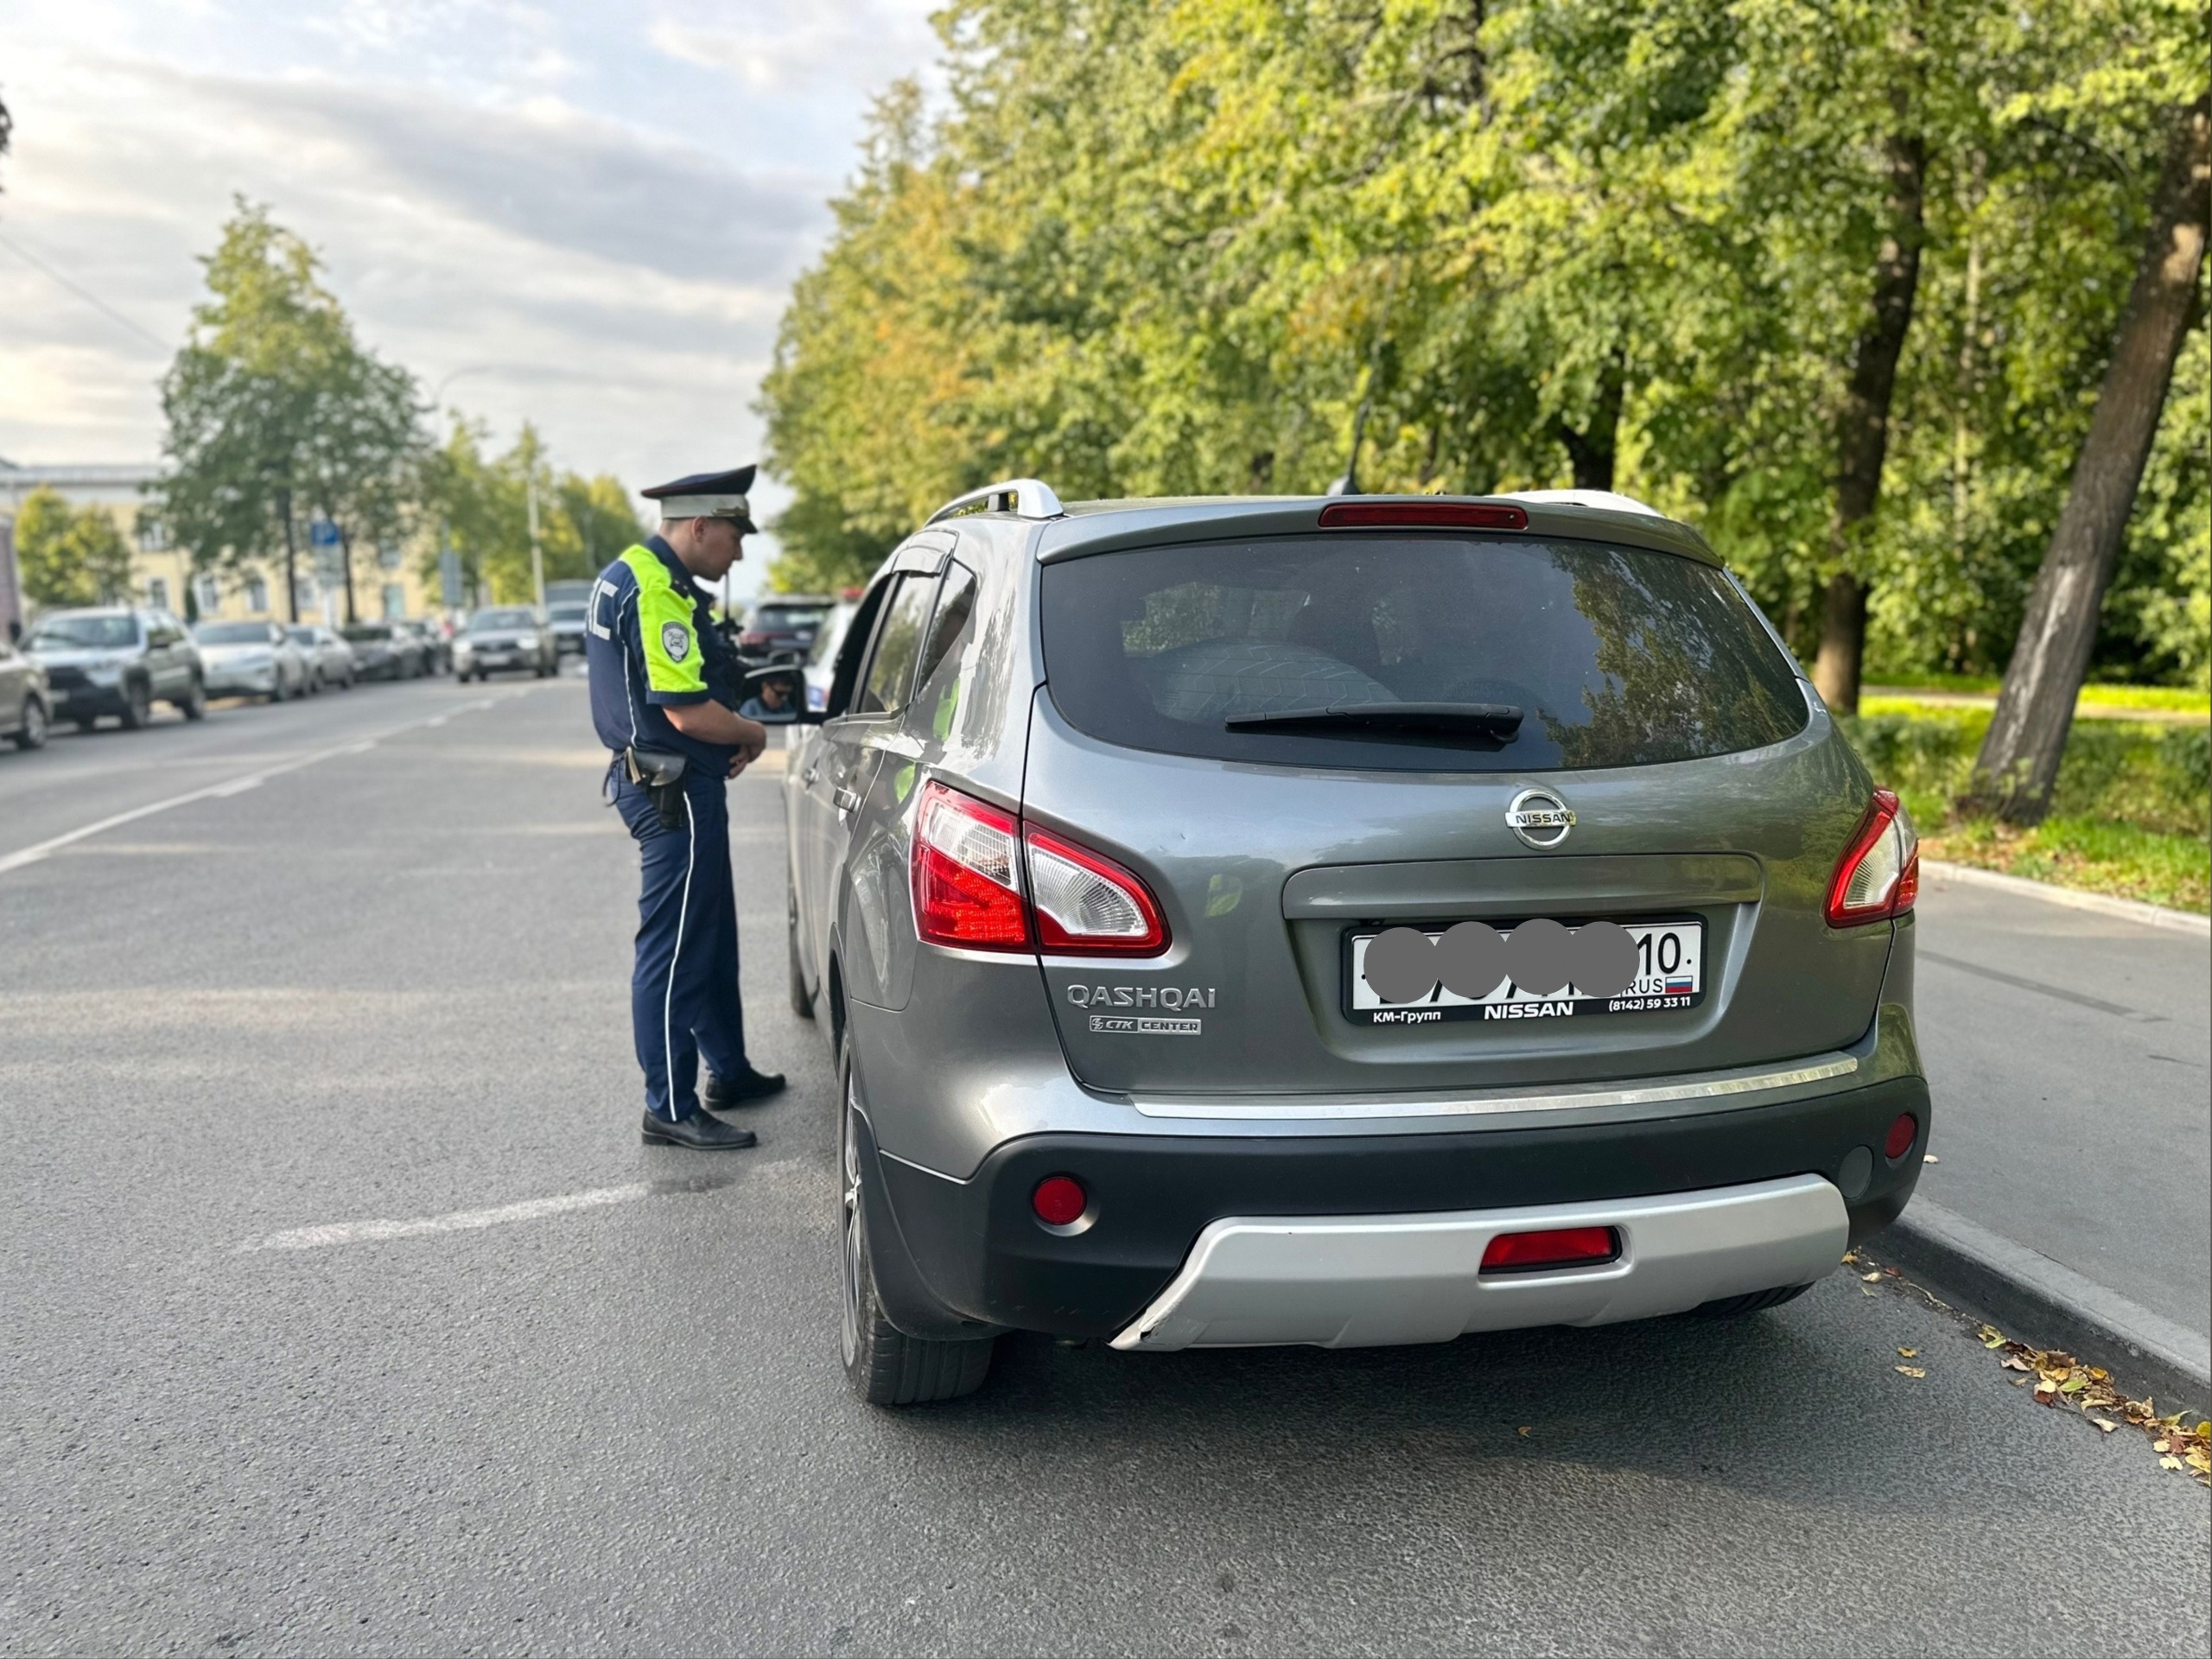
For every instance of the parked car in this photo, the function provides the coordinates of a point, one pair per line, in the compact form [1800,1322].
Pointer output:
[26,704]
[384,651]
[251,660]
[117,660]
[503,639]
[565,619]
[1338,921]
[330,660]
[821,660]
[783,622]
[437,649]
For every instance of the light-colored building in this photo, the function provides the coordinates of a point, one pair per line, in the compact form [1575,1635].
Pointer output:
[386,579]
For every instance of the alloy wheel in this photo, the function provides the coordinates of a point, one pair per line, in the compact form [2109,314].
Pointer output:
[854,1240]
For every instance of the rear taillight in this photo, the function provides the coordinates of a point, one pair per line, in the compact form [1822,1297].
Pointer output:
[1556,1247]
[966,888]
[1087,904]
[1454,515]
[1878,876]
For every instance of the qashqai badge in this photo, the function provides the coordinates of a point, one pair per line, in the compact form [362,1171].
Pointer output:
[1540,818]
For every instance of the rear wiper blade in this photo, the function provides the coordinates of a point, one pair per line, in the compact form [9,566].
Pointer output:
[1495,721]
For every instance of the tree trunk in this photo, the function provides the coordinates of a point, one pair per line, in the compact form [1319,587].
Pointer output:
[1591,449]
[346,569]
[2018,766]
[1863,430]
[291,557]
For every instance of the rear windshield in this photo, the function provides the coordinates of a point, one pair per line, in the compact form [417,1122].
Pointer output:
[1614,657]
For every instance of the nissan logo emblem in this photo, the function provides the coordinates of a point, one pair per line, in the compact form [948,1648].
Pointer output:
[1540,818]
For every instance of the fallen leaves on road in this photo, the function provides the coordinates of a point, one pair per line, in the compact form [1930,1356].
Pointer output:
[1910,1371]
[1908,1353]
[2061,1379]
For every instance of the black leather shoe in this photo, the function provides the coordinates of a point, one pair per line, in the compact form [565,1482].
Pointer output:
[698,1132]
[741,1088]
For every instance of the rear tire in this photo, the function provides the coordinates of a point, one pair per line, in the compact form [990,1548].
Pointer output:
[137,705]
[194,706]
[884,1366]
[1733,1307]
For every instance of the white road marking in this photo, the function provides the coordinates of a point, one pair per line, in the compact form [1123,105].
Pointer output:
[460,1221]
[37,850]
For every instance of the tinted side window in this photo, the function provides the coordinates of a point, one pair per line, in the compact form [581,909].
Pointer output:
[1615,656]
[898,646]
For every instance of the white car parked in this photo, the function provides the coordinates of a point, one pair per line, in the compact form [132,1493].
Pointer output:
[251,660]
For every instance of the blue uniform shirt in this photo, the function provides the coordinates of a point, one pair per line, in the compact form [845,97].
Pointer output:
[650,644]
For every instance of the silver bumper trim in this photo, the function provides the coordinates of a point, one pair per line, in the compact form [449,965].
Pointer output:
[1714,1085]
[1358,1281]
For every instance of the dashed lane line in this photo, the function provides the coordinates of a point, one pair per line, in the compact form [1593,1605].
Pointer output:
[466,1221]
[229,786]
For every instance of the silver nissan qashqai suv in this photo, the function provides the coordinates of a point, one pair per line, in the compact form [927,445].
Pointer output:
[1340,921]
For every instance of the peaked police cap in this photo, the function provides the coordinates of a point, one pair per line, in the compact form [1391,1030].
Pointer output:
[707,495]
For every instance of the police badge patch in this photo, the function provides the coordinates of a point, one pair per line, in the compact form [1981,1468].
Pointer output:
[675,640]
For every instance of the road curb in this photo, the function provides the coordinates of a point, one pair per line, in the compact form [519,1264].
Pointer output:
[2177,921]
[2046,1304]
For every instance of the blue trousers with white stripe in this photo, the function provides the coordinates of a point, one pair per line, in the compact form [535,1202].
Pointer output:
[684,1000]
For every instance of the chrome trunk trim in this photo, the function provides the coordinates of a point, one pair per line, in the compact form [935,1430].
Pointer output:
[1658,1092]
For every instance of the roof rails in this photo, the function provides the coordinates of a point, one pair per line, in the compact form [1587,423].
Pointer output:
[1610,500]
[1026,498]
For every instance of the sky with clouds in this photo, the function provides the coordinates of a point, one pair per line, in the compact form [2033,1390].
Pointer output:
[580,213]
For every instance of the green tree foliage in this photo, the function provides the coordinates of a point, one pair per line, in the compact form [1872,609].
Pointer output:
[1206,246]
[69,556]
[483,505]
[276,411]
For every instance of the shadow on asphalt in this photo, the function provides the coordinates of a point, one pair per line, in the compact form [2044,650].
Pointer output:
[1755,1404]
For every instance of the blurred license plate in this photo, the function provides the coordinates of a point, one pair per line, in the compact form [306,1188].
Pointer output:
[1669,974]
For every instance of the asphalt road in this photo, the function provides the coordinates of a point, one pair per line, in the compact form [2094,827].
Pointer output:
[2070,1056]
[585,1395]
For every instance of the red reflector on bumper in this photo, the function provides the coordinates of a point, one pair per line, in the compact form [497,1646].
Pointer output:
[1563,1247]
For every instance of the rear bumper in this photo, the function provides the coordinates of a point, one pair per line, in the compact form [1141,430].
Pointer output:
[1361,1281]
[962,1256]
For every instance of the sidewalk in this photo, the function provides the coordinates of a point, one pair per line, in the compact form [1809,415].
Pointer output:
[2069,1056]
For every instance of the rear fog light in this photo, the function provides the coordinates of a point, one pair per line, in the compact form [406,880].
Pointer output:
[1059,1200]
[1903,1133]
[1561,1247]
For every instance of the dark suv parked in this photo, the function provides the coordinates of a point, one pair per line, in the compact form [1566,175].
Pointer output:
[1339,922]
[120,661]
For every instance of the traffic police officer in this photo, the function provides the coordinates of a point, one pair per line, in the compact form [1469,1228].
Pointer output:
[665,687]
